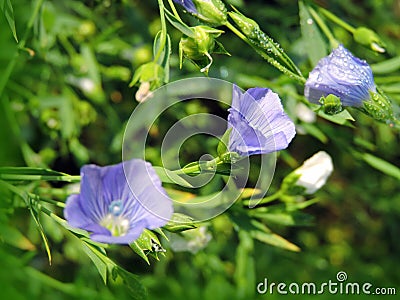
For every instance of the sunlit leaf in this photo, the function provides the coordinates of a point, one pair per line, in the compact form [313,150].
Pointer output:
[8,11]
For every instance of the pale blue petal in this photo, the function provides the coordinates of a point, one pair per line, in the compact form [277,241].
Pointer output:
[188,5]
[343,75]
[259,124]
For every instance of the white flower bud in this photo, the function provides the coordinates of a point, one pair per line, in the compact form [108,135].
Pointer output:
[314,172]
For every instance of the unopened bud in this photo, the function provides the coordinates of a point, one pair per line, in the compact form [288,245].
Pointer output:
[369,38]
[331,104]
[201,46]
[211,11]
[248,26]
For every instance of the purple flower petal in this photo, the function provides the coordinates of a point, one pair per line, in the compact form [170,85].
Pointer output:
[117,202]
[259,124]
[342,75]
[188,5]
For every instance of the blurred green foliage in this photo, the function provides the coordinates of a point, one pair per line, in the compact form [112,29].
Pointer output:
[65,99]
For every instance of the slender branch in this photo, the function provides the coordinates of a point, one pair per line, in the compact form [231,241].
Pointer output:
[336,20]
[334,43]
[171,4]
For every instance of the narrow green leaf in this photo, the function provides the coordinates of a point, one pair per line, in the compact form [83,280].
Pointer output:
[131,281]
[315,132]
[179,222]
[274,240]
[314,44]
[14,237]
[26,173]
[386,66]
[35,216]
[182,27]
[168,176]
[95,257]
[382,165]
[30,171]
[144,243]
[224,142]
[8,11]
[163,60]
[341,118]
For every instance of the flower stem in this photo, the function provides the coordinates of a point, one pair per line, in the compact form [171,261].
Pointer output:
[21,177]
[334,43]
[171,4]
[336,20]
[51,201]
[163,31]
[252,203]
[199,167]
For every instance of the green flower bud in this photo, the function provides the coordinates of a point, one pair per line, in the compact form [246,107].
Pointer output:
[369,38]
[201,46]
[331,104]
[379,107]
[248,26]
[211,11]
[149,76]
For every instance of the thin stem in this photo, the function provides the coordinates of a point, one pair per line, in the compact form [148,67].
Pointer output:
[21,177]
[163,31]
[334,43]
[51,201]
[171,4]
[197,168]
[272,61]
[252,203]
[336,20]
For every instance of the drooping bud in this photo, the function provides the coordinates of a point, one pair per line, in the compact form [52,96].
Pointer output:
[149,76]
[199,48]
[369,38]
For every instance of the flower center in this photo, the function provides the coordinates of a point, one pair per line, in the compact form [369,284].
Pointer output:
[115,221]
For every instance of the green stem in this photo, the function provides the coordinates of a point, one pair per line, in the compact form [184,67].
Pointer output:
[171,4]
[334,43]
[163,31]
[336,20]
[199,167]
[51,201]
[272,61]
[21,177]
[265,200]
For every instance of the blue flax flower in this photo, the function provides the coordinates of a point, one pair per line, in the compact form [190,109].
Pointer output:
[343,75]
[188,5]
[117,202]
[259,124]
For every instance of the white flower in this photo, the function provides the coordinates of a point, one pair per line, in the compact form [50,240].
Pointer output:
[314,172]
[305,114]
